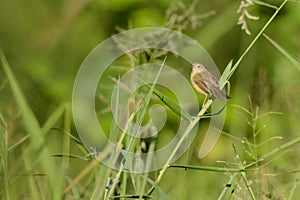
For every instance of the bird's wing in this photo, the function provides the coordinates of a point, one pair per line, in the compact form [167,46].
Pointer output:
[200,81]
[208,77]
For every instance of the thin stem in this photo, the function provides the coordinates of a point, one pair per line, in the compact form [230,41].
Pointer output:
[254,40]
[185,134]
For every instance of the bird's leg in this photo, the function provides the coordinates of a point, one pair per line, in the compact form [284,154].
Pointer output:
[204,101]
[203,106]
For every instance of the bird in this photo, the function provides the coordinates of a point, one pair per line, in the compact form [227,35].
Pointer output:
[206,83]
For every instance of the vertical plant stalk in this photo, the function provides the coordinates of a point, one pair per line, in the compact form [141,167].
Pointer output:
[4,158]
[228,186]
[243,173]
[66,138]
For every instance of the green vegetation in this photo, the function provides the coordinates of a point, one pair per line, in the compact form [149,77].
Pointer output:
[254,42]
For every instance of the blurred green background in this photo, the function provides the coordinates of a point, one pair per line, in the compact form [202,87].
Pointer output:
[45,43]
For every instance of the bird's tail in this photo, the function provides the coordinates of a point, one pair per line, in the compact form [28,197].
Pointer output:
[219,94]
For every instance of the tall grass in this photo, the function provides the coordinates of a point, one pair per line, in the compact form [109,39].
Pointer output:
[67,170]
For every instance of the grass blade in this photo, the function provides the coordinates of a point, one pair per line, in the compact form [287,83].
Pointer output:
[275,151]
[4,158]
[207,168]
[161,193]
[142,113]
[171,104]
[284,52]
[66,138]
[225,74]
[53,119]
[265,4]
[34,191]
[228,186]
[34,130]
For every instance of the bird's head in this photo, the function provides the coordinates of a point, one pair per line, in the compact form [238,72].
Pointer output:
[198,67]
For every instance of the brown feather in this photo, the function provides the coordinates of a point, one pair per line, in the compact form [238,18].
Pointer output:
[206,83]
[218,93]
[199,84]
